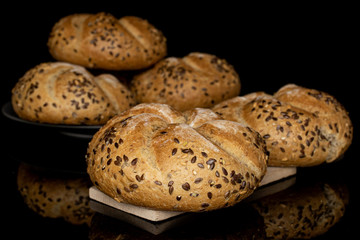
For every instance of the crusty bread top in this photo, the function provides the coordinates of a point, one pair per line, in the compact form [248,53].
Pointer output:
[302,127]
[102,41]
[196,80]
[152,157]
[64,93]
[197,116]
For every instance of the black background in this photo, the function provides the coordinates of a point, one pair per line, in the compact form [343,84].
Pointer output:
[269,46]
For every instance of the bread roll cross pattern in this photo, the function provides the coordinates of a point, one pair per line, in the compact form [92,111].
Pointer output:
[302,127]
[64,93]
[105,42]
[196,80]
[154,156]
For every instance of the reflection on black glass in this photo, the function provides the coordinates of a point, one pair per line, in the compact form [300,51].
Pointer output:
[300,212]
[55,195]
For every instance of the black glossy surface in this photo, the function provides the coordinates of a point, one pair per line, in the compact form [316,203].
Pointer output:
[269,47]
[306,203]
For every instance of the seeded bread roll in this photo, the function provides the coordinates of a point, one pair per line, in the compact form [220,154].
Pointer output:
[197,80]
[102,41]
[302,127]
[53,195]
[63,93]
[150,156]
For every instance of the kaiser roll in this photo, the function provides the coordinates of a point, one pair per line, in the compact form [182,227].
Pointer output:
[154,156]
[63,93]
[103,41]
[301,126]
[197,80]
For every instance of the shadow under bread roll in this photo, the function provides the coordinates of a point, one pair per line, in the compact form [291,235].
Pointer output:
[215,225]
[54,195]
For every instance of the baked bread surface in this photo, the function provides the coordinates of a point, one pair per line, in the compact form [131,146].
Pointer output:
[103,41]
[64,93]
[301,126]
[154,156]
[198,80]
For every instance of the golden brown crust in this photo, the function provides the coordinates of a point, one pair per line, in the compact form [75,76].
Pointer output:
[118,94]
[197,116]
[197,80]
[102,41]
[334,122]
[63,93]
[150,156]
[302,127]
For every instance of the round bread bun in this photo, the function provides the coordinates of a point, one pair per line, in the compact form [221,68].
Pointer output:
[53,195]
[103,41]
[63,93]
[197,80]
[302,127]
[153,156]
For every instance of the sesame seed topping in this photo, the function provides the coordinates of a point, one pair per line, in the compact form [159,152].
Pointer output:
[134,161]
[205,205]
[200,165]
[198,180]
[210,161]
[186,186]
[158,182]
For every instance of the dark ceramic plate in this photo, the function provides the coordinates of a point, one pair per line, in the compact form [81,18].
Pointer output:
[79,131]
